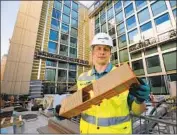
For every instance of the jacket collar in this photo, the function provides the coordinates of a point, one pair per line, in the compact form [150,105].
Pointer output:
[108,69]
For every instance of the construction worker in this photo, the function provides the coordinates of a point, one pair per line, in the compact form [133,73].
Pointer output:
[111,115]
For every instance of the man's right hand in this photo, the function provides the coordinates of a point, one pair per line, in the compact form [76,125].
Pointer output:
[57,112]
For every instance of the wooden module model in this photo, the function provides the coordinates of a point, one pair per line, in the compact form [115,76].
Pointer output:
[112,84]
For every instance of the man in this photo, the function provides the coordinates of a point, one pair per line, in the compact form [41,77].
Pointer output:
[112,115]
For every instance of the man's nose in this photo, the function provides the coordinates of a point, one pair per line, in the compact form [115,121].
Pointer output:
[102,51]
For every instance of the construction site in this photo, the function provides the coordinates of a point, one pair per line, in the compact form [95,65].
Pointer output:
[49,54]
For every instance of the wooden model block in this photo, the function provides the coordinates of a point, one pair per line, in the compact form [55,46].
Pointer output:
[112,84]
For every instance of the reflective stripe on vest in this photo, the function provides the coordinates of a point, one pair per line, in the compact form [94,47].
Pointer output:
[105,121]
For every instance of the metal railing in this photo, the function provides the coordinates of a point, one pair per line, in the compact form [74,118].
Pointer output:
[161,119]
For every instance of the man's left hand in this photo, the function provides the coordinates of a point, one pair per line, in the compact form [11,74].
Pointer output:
[140,92]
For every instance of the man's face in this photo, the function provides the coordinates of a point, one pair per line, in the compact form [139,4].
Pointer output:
[101,54]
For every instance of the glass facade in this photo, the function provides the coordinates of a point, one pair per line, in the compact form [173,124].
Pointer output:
[63,39]
[143,15]
[129,10]
[158,7]
[129,23]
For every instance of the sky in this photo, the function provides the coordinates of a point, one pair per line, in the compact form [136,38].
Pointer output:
[9,10]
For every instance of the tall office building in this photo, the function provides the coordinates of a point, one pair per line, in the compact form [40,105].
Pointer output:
[144,35]
[49,44]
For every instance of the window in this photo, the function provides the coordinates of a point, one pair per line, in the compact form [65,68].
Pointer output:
[162,19]
[63,50]
[74,15]
[74,32]
[63,64]
[65,28]
[103,28]
[73,42]
[137,67]
[57,5]
[103,18]
[173,3]
[143,15]
[62,75]
[72,76]
[168,45]
[75,6]
[97,30]
[146,26]
[129,10]
[66,10]
[111,23]
[170,61]
[112,32]
[114,42]
[110,13]
[120,29]
[158,7]
[136,55]
[123,55]
[153,64]
[64,39]
[56,14]
[53,35]
[157,85]
[118,6]
[67,2]
[61,88]
[140,3]
[126,2]
[72,66]
[132,36]
[55,24]
[51,63]
[131,22]
[97,23]
[52,47]
[122,41]
[172,77]
[109,4]
[74,23]
[114,56]
[119,17]
[65,19]
[174,13]
[149,51]
[49,88]
[73,52]
[50,74]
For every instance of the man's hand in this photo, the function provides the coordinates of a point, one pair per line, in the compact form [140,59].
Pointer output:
[57,112]
[140,92]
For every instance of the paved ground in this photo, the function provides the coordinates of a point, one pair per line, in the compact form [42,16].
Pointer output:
[30,126]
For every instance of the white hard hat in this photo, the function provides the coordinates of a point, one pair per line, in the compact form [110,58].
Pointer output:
[102,39]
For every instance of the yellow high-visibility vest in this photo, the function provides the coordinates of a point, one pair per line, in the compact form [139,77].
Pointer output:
[111,116]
